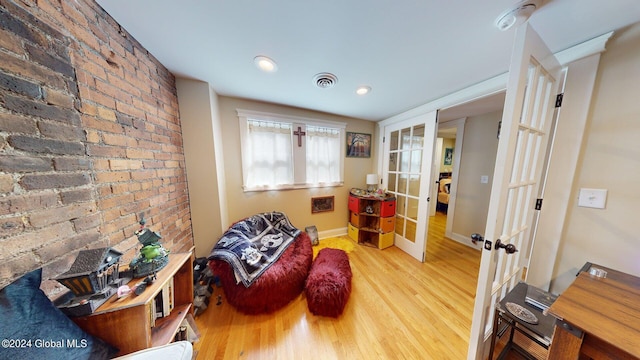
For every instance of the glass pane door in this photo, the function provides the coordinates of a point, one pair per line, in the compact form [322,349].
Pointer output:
[408,154]
[405,164]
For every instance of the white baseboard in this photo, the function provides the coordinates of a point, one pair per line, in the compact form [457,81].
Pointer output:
[465,240]
[332,233]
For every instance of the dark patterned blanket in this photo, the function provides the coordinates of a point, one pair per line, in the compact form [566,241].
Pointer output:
[251,245]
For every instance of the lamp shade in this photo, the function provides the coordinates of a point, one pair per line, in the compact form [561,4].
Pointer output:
[372,179]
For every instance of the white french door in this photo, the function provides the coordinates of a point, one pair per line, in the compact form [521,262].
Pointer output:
[408,154]
[526,120]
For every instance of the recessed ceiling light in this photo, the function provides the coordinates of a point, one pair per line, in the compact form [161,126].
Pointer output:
[363,90]
[265,64]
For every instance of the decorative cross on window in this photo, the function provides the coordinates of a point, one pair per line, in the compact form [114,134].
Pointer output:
[299,133]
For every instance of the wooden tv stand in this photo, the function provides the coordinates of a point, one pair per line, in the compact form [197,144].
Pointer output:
[126,322]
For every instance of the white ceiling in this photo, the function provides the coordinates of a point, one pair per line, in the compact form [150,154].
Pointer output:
[409,52]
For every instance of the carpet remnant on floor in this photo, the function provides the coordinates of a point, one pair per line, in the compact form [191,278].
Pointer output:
[339,242]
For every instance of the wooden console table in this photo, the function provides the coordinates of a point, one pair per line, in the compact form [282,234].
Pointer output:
[597,317]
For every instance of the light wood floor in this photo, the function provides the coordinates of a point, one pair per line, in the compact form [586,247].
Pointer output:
[399,309]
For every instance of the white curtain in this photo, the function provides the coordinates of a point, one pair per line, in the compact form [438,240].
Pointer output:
[323,155]
[269,154]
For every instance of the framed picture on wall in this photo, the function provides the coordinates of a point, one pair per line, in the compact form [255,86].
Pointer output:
[358,145]
[448,156]
[321,204]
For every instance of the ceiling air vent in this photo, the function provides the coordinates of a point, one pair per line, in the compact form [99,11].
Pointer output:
[325,80]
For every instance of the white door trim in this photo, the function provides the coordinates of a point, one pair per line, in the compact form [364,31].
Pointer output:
[435,167]
[457,157]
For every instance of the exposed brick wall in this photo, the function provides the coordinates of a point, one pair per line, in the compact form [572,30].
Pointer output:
[89,139]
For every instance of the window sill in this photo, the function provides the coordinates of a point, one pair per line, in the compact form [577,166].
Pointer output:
[291,187]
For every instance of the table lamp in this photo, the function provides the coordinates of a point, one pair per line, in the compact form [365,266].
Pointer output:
[372,182]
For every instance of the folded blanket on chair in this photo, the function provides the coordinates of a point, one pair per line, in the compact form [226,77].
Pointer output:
[251,245]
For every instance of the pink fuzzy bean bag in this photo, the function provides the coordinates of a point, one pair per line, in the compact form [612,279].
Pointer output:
[328,285]
[274,289]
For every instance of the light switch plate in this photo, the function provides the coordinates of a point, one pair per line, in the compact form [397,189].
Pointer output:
[593,198]
[484,179]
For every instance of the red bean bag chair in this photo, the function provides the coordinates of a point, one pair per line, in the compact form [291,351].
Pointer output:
[328,285]
[276,287]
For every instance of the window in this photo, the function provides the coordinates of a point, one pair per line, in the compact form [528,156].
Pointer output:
[284,152]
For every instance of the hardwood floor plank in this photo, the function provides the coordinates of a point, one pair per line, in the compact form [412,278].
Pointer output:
[398,309]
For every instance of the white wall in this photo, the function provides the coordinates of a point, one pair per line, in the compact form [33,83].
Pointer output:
[610,159]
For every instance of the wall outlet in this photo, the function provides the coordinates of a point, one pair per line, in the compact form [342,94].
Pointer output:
[593,198]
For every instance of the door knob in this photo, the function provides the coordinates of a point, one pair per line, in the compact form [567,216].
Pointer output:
[508,248]
[475,237]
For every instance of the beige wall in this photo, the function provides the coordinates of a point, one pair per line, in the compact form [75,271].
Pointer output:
[610,159]
[295,203]
[199,115]
[478,158]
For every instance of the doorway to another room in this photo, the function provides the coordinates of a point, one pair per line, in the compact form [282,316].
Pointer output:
[463,165]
